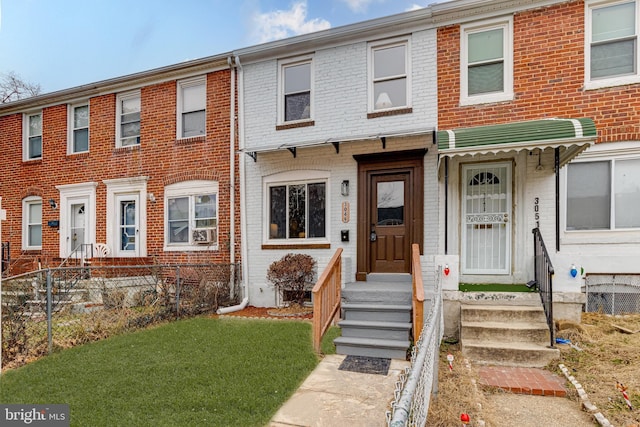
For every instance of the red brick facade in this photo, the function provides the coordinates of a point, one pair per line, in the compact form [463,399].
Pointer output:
[160,157]
[548,63]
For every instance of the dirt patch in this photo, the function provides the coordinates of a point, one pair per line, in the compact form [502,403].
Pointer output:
[605,357]
[297,313]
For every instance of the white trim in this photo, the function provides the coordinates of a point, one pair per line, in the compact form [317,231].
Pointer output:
[70,136]
[614,80]
[452,139]
[186,83]
[387,43]
[119,98]
[26,135]
[190,189]
[83,192]
[135,186]
[289,62]
[292,178]
[26,203]
[506,24]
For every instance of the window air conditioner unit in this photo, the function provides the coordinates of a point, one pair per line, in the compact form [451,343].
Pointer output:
[203,236]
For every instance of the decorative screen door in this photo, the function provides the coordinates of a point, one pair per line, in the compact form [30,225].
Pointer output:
[128,227]
[486,219]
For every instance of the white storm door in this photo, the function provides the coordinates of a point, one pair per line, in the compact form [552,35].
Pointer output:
[486,219]
[77,230]
[128,228]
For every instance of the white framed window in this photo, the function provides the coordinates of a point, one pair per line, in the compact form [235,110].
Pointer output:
[191,216]
[128,119]
[296,207]
[32,136]
[295,89]
[192,107]
[486,61]
[611,43]
[32,223]
[603,194]
[78,128]
[389,75]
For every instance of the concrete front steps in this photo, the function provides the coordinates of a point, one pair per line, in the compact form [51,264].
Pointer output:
[376,317]
[507,335]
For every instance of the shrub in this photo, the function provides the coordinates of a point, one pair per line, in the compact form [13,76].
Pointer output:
[293,272]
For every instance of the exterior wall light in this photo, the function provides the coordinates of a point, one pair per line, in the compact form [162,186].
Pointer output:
[345,188]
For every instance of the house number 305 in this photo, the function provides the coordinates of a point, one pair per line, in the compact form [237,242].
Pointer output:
[536,211]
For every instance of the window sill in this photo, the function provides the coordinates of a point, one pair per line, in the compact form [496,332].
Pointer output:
[612,82]
[191,140]
[31,251]
[126,149]
[275,246]
[387,113]
[300,124]
[190,248]
[78,155]
[601,237]
[32,161]
[487,99]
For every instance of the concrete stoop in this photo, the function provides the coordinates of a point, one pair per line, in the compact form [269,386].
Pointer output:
[376,317]
[506,335]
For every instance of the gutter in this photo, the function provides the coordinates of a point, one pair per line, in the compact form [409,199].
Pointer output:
[233,64]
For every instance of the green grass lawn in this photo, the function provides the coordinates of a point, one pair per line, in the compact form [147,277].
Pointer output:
[196,372]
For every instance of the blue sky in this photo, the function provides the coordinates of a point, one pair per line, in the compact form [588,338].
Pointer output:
[66,43]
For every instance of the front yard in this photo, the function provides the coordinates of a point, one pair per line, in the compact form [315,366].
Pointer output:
[200,371]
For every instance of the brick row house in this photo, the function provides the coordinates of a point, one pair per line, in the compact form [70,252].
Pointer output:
[460,127]
[137,168]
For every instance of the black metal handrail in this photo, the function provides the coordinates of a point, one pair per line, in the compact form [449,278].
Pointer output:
[544,280]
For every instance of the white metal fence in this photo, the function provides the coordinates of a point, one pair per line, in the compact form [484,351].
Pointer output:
[418,382]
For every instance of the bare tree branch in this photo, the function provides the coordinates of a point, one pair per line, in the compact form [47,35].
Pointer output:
[13,88]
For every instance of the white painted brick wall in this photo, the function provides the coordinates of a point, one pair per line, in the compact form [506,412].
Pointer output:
[340,110]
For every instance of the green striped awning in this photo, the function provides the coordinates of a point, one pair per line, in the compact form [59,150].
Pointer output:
[572,136]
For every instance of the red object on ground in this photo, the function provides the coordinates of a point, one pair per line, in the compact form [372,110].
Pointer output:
[464,418]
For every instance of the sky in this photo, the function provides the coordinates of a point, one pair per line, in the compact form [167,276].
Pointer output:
[61,44]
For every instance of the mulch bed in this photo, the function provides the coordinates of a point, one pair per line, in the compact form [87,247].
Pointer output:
[268,313]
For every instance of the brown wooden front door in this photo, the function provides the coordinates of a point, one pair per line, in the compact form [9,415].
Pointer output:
[390,211]
[390,203]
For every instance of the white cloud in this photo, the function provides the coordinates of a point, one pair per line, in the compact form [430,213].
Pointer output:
[286,23]
[415,7]
[358,5]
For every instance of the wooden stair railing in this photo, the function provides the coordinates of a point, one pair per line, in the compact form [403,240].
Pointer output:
[418,292]
[326,298]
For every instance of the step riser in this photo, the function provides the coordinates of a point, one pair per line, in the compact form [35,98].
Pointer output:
[385,334]
[539,336]
[377,316]
[363,296]
[509,357]
[472,315]
[371,352]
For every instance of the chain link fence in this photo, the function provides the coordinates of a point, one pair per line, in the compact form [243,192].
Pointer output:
[416,384]
[63,307]
[613,293]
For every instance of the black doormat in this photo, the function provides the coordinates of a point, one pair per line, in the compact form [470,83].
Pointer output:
[365,365]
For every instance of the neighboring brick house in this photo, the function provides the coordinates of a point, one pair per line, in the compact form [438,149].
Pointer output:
[338,144]
[137,166]
[514,64]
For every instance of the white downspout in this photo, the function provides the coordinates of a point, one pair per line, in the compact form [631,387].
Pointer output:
[232,169]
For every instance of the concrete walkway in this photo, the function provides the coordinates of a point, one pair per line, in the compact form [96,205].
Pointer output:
[333,397]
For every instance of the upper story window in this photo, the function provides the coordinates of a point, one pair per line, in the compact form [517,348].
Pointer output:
[486,61]
[611,50]
[32,136]
[78,128]
[192,107]
[603,195]
[128,119]
[191,215]
[297,207]
[32,223]
[296,84]
[389,71]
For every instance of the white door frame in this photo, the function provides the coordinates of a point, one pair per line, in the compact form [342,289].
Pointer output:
[491,220]
[73,194]
[127,187]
